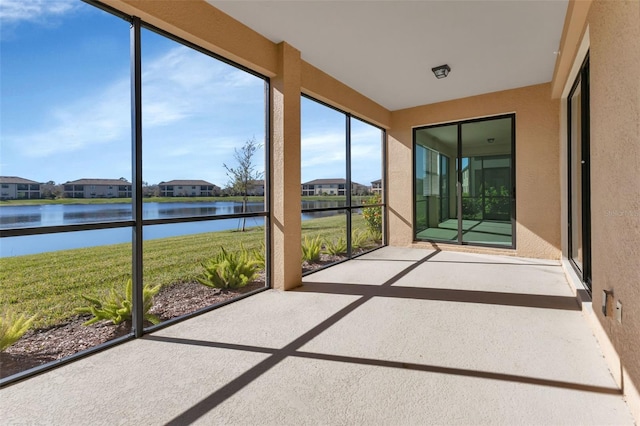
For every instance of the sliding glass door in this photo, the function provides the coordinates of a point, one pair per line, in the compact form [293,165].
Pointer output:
[464,182]
[579,181]
[487,193]
[436,210]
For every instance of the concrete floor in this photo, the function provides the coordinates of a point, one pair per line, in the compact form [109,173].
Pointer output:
[398,336]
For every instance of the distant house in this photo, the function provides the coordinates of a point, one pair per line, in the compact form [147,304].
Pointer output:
[97,188]
[376,186]
[188,188]
[17,188]
[331,187]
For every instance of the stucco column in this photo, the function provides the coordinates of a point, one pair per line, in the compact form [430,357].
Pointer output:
[399,176]
[285,170]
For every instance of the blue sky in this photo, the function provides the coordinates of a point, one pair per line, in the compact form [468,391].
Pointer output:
[65,108]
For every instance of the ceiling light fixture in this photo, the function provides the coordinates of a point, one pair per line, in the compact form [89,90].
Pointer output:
[441,71]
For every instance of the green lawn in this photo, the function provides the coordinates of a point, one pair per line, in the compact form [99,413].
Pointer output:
[50,284]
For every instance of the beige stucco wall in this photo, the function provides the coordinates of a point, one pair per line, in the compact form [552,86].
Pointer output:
[200,23]
[572,33]
[323,87]
[615,164]
[286,226]
[610,30]
[537,166]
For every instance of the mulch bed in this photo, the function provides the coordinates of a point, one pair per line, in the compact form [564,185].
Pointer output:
[325,259]
[44,345]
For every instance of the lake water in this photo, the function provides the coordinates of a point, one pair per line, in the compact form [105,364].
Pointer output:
[12,217]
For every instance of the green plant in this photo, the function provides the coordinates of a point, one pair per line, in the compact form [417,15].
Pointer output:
[118,306]
[358,239]
[229,270]
[13,327]
[311,249]
[376,235]
[336,246]
[258,256]
[471,208]
[373,216]
[31,285]
[497,203]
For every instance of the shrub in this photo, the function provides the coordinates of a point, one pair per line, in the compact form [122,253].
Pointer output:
[373,217]
[335,247]
[358,239]
[376,235]
[118,306]
[471,208]
[497,203]
[229,270]
[13,327]
[258,256]
[311,249]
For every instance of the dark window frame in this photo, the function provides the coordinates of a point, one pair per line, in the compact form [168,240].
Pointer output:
[137,223]
[349,208]
[582,81]
[458,172]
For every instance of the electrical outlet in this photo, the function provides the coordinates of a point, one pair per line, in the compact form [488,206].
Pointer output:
[619,311]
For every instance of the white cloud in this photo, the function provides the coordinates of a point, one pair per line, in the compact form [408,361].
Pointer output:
[323,153]
[95,120]
[364,133]
[183,83]
[323,140]
[12,11]
[365,153]
[179,86]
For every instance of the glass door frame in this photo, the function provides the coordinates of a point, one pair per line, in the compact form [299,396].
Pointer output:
[459,178]
[582,82]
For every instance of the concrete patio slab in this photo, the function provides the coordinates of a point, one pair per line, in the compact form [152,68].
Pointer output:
[448,270]
[497,341]
[360,271]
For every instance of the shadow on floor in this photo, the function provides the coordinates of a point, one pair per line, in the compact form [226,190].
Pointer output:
[366,293]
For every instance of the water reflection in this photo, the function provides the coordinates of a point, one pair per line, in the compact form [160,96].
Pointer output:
[71,214]
[319,204]
[217,208]
[66,214]
[19,220]
[98,215]
[61,214]
[32,244]
[318,215]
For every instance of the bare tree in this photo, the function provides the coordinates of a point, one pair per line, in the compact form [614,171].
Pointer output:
[242,177]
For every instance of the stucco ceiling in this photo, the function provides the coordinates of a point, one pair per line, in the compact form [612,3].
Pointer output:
[386,49]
